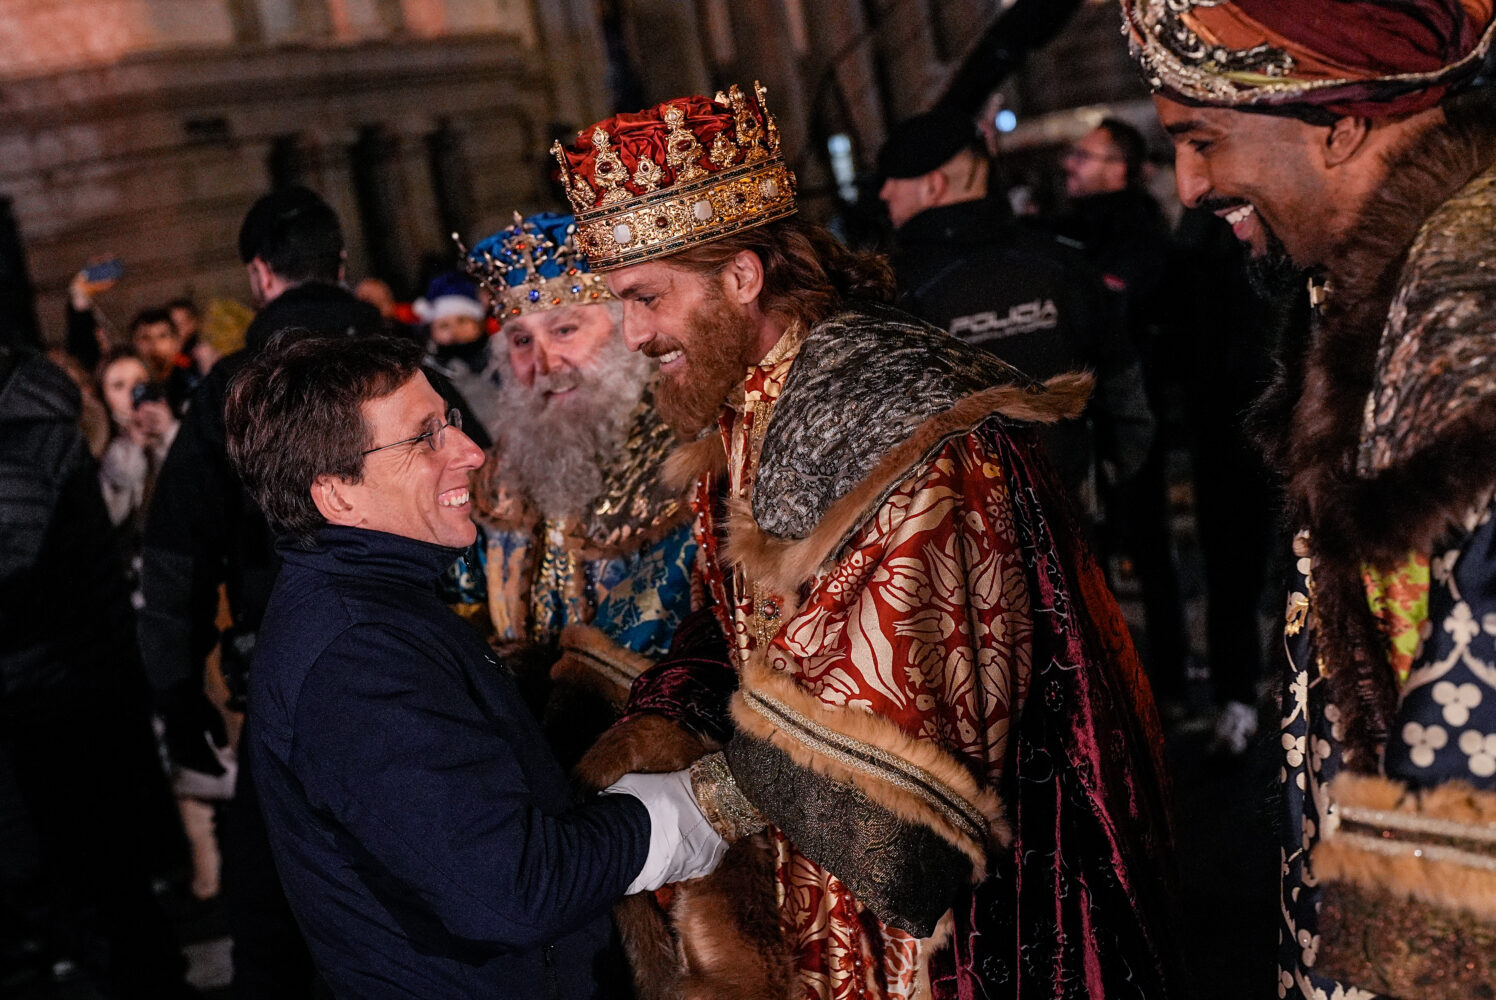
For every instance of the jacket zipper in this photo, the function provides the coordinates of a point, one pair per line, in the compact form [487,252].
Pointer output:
[552,982]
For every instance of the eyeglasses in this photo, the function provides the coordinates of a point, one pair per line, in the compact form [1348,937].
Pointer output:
[434,435]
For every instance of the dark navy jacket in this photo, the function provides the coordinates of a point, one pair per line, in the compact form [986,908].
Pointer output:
[427,839]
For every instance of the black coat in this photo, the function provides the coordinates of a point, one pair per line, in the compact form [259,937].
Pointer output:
[65,618]
[203,529]
[426,837]
[1038,305]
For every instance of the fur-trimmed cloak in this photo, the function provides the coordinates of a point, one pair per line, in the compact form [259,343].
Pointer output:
[1388,420]
[939,713]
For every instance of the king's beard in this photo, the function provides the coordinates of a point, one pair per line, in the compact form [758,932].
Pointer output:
[1273,274]
[692,392]
[555,450]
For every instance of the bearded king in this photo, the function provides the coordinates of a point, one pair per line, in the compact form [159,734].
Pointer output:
[939,768]
[582,565]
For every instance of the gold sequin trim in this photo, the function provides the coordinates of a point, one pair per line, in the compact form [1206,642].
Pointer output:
[725,806]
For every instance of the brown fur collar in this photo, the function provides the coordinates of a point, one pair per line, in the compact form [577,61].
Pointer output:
[704,456]
[1414,499]
[783,564]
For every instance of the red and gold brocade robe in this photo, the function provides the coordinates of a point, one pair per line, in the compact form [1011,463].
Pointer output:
[886,660]
[924,622]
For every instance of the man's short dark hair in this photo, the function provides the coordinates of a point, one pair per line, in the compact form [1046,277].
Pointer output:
[1130,144]
[294,414]
[183,303]
[150,317]
[296,234]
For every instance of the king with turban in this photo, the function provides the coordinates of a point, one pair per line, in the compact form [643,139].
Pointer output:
[1350,141]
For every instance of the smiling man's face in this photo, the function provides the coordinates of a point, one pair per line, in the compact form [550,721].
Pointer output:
[1264,174]
[413,489]
[703,340]
[556,346]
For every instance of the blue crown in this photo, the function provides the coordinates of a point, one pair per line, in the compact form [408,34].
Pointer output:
[534,265]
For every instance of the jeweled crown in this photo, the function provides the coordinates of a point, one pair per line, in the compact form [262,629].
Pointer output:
[534,265]
[687,171]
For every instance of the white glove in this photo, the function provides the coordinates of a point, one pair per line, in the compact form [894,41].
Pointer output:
[682,843]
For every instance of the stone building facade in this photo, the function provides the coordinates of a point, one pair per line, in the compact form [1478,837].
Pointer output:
[144,128]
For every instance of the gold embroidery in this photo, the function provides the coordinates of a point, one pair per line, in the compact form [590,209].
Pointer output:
[682,151]
[609,171]
[759,612]
[1298,613]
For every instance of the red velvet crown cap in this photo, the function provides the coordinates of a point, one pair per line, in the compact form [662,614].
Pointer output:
[642,133]
[684,172]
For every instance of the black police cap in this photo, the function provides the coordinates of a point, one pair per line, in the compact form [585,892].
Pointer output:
[925,142]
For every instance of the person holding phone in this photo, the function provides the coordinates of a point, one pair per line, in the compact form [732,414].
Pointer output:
[142,428]
[87,329]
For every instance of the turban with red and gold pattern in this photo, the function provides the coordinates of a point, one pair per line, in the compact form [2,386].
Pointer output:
[1372,58]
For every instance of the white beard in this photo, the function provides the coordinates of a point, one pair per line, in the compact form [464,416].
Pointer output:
[556,454]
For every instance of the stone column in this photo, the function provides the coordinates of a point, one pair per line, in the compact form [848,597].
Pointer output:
[575,59]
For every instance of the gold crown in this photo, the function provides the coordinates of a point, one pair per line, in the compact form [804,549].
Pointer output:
[533,265]
[747,184]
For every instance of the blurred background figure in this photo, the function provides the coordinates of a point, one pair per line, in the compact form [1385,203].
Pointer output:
[80,784]
[188,319]
[399,318]
[457,348]
[142,428]
[1218,338]
[963,264]
[158,343]
[1123,233]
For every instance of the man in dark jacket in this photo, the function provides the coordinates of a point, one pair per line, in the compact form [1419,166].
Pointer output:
[78,769]
[427,839]
[964,265]
[204,531]
[1122,231]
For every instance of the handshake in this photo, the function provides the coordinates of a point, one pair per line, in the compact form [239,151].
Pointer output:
[682,842]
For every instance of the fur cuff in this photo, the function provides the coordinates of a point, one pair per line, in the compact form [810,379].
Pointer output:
[913,779]
[590,660]
[650,744]
[1437,846]
[725,805]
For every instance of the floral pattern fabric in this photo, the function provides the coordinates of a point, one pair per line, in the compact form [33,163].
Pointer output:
[924,622]
[1444,728]
[927,620]
[894,629]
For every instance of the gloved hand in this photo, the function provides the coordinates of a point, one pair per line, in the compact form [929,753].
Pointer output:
[197,741]
[682,843]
